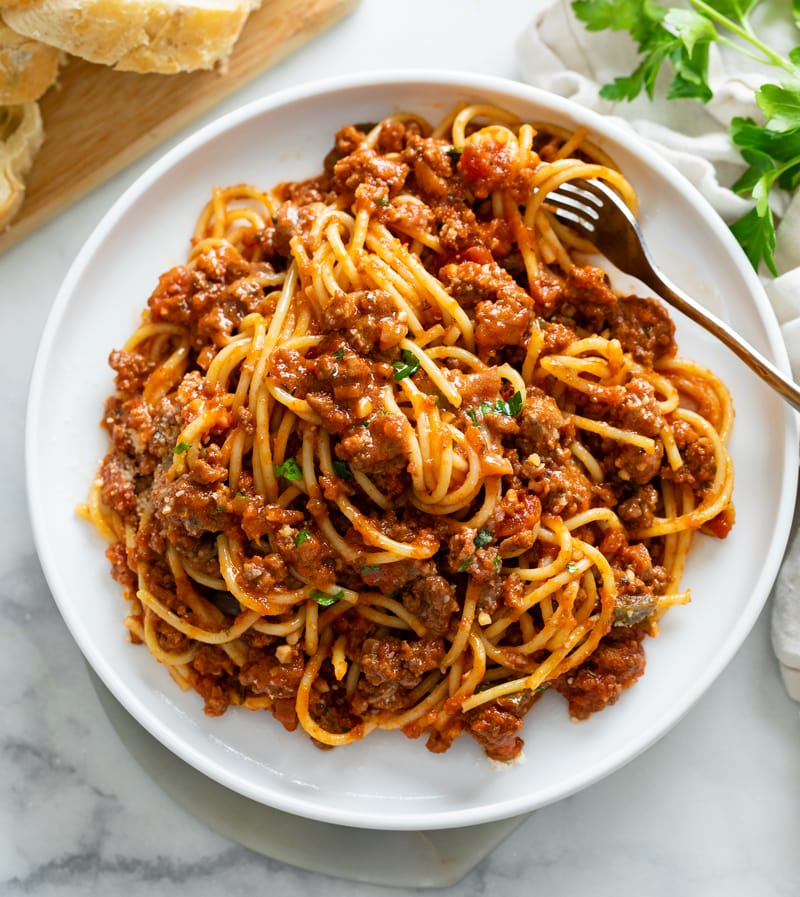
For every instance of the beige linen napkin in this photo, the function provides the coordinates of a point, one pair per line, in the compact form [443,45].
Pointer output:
[557,53]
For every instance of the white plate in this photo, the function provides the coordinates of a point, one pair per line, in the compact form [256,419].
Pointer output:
[387,781]
[406,859]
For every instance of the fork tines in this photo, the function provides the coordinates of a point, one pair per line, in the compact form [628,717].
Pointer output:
[577,203]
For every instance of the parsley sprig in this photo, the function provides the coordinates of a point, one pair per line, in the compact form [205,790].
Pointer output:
[682,37]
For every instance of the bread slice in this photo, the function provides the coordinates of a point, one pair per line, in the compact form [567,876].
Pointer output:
[21,136]
[165,36]
[27,67]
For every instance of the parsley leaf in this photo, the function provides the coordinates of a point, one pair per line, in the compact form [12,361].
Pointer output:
[325,599]
[779,145]
[760,165]
[690,81]
[341,469]
[756,235]
[690,27]
[780,103]
[181,447]
[515,404]
[289,470]
[303,535]
[512,407]
[773,158]
[465,563]
[482,537]
[407,367]
[678,36]
[635,16]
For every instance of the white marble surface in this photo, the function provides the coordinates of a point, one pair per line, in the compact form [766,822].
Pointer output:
[712,809]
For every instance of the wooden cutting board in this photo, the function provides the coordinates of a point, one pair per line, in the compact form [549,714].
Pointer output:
[98,120]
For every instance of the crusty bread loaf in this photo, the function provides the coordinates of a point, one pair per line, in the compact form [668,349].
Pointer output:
[164,36]
[27,67]
[21,136]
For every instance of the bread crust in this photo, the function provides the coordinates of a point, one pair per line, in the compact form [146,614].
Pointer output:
[164,36]
[21,136]
[27,67]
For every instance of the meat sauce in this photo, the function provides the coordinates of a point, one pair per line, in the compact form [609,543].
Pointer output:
[359,354]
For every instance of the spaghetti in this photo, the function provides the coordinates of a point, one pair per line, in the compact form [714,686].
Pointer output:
[385,455]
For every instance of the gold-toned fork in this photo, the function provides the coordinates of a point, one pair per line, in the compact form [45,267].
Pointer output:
[597,213]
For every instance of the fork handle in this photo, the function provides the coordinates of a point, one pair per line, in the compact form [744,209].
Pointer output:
[750,356]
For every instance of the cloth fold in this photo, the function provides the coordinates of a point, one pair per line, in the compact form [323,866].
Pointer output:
[557,53]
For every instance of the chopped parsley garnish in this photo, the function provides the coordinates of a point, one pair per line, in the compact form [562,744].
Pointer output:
[497,561]
[182,447]
[382,201]
[341,469]
[289,470]
[325,599]
[339,353]
[462,567]
[483,537]
[572,567]
[512,407]
[370,568]
[515,404]
[407,367]
[302,536]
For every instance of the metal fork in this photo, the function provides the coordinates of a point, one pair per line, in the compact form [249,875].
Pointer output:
[597,213]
